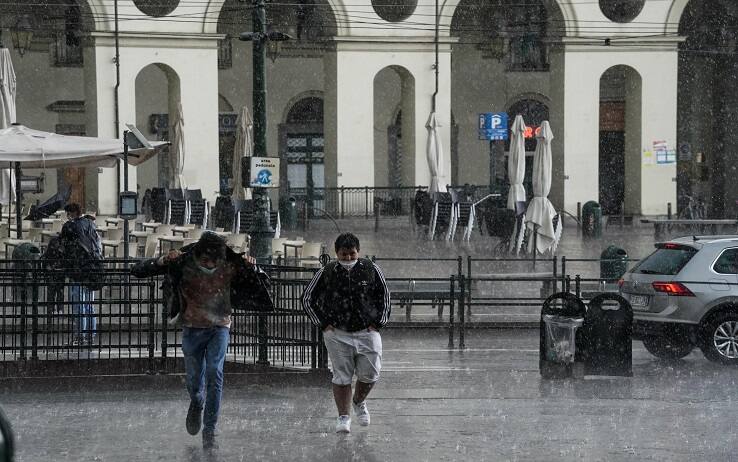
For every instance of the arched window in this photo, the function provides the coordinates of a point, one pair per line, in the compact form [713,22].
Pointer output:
[306,111]
[534,113]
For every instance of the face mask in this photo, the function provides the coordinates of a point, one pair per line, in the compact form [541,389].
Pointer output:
[208,271]
[348,264]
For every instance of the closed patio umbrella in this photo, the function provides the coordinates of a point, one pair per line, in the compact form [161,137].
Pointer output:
[434,153]
[541,212]
[177,151]
[244,147]
[516,174]
[7,117]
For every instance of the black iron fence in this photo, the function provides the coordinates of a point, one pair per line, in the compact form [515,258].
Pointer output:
[50,326]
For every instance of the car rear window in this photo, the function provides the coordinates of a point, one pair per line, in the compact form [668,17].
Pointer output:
[667,261]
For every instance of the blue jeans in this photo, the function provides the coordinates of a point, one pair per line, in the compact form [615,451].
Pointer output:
[85,322]
[204,353]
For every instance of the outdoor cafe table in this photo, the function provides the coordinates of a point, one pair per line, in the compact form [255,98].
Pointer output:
[171,240]
[48,222]
[182,230]
[113,221]
[113,244]
[150,225]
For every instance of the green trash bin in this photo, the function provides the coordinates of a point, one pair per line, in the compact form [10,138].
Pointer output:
[592,220]
[288,213]
[613,263]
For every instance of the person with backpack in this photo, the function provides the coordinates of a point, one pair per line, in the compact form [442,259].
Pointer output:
[82,257]
[205,283]
[349,301]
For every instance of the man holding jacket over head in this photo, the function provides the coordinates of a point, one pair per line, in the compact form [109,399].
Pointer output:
[349,301]
[205,282]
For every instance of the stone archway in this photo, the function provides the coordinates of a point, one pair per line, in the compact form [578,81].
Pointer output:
[619,155]
[157,90]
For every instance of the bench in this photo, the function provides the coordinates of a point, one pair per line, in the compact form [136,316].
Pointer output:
[409,292]
[660,223]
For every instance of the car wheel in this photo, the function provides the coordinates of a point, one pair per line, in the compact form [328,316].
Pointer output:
[720,338]
[667,347]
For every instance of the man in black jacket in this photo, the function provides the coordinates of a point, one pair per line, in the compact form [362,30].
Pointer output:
[206,281]
[349,300]
[82,261]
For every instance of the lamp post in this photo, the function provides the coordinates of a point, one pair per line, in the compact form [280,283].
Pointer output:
[22,34]
[261,229]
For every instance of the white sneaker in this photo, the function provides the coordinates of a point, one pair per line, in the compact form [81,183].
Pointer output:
[343,424]
[362,413]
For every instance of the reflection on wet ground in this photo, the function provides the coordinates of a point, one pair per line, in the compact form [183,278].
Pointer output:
[485,403]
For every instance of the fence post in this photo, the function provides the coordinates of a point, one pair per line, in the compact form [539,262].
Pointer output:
[462,319]
[567,283]
[164,327]
[578,286]
[34,312]
[20,292]
[152,327]
[451,304]
[555,275]
[668,210]
[366,202]
[343,200]
[376,215]
[579,217]
[263,358]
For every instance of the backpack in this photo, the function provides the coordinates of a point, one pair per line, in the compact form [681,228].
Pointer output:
[81,258]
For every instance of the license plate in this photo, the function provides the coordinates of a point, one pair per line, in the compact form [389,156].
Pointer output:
[639,300]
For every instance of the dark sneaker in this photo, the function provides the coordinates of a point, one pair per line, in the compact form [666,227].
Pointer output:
[194,418]
[208,441]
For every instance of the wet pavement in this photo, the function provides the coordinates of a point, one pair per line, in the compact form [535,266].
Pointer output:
[485,403]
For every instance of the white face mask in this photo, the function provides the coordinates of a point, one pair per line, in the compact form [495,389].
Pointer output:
[208,271]
[348,264]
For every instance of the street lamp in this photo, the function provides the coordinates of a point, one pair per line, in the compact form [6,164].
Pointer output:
[261,229]
[22,34]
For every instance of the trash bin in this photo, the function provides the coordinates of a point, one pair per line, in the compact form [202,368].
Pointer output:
[613,263]
[562,315]
[288,213]
[606,340]
[591,220]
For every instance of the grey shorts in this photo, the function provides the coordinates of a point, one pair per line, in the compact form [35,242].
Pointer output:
[354,352]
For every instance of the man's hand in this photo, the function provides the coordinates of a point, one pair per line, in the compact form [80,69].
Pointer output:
[171,256]
[329,328]
[249,259]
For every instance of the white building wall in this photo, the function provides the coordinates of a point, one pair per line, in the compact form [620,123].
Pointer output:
[579,143]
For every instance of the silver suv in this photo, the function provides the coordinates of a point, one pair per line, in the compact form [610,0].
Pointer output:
[685,294]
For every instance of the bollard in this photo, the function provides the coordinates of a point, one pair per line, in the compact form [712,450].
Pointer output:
[462,320]
[668,210]
[263,358]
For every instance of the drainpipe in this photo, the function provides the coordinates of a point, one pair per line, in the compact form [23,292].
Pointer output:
[435,65]
[117,87]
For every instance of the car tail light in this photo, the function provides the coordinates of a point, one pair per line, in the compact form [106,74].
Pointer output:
[677,289]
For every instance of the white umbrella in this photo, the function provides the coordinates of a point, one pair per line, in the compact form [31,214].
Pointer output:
[434,153]
[541,212]
[7,117]
[38,149]
[244,147]
[516,174]
[177,151]
[516,164]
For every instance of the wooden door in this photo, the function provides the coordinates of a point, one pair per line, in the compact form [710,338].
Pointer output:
[75,178]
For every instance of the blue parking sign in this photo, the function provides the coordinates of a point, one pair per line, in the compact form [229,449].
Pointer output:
[493,126]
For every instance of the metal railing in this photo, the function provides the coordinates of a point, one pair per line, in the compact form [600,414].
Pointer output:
[124,329]
[344,201]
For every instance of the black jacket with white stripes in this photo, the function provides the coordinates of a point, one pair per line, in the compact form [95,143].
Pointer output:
[348,300]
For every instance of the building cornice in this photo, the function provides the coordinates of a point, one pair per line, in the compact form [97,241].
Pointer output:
[385,44]
[157,39]
[619,44]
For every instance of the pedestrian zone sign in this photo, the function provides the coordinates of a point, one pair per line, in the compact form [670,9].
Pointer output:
[264,172]
[493,126]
